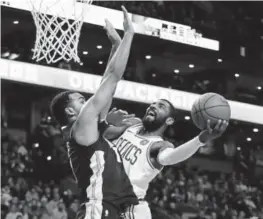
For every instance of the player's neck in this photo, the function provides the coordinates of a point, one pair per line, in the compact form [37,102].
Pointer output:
[157,132]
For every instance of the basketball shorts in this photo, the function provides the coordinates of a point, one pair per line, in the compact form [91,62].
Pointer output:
[140,211]
[97,210]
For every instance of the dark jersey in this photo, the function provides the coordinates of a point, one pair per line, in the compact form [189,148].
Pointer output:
[98,170]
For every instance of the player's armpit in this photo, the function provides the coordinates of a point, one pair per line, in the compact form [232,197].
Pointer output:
[87,135]
[155,149]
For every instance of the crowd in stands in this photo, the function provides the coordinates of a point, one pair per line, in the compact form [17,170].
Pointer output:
[23,194]
[215,195]
[208,195]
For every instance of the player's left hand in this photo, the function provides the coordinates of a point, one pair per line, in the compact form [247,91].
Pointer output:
[212,133]
[113,36]
[115,117]
[127,23]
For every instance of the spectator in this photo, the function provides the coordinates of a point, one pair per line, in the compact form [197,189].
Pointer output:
[34,208]
[25,212]
[13,213]
[73,208]
[59,212]
[22,150]
[54,202]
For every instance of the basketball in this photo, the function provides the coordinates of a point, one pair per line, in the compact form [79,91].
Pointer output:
[210,106]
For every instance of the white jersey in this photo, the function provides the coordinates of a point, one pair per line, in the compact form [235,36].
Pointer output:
[134,150]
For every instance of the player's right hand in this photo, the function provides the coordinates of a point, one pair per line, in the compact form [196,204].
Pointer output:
[113,36]
[212,133]
[127,23]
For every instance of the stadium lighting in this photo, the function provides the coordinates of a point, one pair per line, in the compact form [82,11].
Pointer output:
[48,157]
[249,139]
[100,62]
[85,52]
[255,130]
[99,46]
[219,60]
[6,54]
[187,117]
[176,71]
[237,75]
[14,56]
[191,66]
[259,87]
[15,22]
[148,57]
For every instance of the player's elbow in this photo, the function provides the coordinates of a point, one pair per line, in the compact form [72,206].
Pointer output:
[113,72]
[162,159]
[166,157]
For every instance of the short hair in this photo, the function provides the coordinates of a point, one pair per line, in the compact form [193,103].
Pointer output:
[58,105]
[173,111]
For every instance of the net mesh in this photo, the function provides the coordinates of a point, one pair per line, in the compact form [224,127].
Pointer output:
[58,25]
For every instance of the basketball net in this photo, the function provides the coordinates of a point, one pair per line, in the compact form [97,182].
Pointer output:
[58,25]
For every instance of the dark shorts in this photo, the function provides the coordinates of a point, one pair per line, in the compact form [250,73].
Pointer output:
[98,210]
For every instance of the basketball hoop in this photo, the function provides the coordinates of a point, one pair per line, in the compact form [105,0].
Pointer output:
[58,25]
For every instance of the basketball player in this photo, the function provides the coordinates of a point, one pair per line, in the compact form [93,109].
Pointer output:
[95,163]
[145,153]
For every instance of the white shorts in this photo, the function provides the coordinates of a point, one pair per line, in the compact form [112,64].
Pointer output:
[140,211]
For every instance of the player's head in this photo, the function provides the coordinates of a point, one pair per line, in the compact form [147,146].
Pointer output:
[66,106]
[158,114]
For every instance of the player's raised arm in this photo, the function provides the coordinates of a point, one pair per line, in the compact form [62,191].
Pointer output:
[115,70]
[171,156]
[115,42]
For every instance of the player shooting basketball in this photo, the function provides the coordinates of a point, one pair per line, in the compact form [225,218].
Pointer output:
[145,152]
[94,161]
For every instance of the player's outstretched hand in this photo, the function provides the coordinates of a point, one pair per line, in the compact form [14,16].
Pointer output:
[113,36]
[212,133]
[127,23]
[115,117]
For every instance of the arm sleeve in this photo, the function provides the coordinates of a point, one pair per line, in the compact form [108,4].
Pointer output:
[171,156]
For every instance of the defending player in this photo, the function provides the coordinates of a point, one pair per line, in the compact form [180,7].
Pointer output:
[94,162]
[144,151]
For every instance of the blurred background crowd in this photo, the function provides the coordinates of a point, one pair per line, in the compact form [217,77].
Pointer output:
[36,178]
